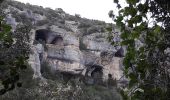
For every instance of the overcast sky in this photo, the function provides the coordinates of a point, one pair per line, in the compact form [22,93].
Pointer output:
[92,9]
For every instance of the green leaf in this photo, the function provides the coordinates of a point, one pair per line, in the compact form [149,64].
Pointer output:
[131,83]
[127,63]
[141,49]
[1,18]
[132,76]
[124,95]
[135,35]
[119,19]
[6,28]
[126,11]
[130,23]
[124,35]
[109,29]
[132,1]
[137,19]
[157,29]
[112,43]
[132,12]
[140,7]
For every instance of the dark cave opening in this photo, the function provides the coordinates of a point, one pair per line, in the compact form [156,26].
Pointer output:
[94,75]
[97,71]
[97,74]
[48,37]
[41,35]
[58,40]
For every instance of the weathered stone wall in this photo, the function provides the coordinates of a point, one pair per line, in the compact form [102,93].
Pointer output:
[69,44]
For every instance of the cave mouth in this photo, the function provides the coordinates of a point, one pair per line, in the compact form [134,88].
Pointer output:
[48,37]
[97,72]
[94,71]
[41,35]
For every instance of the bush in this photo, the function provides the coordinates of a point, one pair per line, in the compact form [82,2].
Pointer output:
[72,18]
[84,25]
[46,71]
[57,90]
[93,29]
[77,16]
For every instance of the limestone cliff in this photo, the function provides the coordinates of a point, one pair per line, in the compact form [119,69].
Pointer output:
[70,58]
[64,43]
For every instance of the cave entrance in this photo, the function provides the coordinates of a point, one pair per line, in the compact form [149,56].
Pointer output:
[48,37]
[96,71]
[41,35]
[95,74]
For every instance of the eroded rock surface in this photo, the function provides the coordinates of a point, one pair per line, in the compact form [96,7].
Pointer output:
[70,44]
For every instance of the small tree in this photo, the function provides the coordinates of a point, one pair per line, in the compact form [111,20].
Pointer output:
[146,66]
[14,52]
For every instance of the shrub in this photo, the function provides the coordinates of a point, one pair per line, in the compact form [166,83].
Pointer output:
[93,29]
[84,25]
[72,18]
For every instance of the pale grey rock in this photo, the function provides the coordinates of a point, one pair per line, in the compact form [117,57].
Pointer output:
[68,56]
[167,51]
[71,39]
[11,21]
[73,26]
[35,63]
[70,53]
[114,68]
[58,30]
[93,45]
[90,58]
[66,66]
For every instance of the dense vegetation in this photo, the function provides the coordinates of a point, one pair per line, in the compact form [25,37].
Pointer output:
[144,26]
[14,52]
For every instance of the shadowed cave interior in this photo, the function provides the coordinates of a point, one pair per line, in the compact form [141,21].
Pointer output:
[48,37]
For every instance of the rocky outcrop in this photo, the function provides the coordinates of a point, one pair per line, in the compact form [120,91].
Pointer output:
[69,44]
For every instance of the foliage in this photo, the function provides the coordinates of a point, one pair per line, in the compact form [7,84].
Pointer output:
[13,56]
[145,65]
[58,89]
[84,25]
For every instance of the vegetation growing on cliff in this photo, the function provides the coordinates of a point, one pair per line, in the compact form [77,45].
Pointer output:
[14,52]
[145,65]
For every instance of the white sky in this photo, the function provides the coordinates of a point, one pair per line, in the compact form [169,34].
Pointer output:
[92,9]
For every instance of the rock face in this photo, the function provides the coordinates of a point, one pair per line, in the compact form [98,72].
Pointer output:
[69,43]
